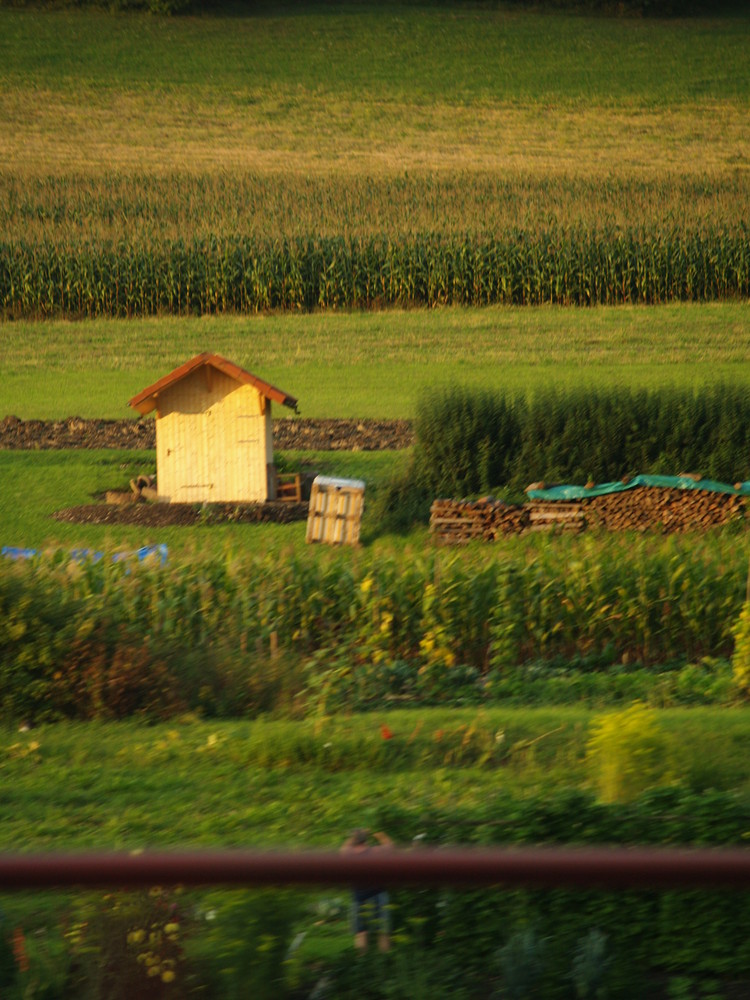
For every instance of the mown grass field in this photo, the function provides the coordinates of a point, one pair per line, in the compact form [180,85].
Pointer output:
[36,484]
[375,364]
[268,783]
[365,90]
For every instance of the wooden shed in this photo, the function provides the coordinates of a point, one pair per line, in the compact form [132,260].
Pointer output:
[214,435]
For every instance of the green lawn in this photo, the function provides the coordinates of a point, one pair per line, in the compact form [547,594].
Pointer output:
[375,364]
[38,483]
[266,783]
[387,52]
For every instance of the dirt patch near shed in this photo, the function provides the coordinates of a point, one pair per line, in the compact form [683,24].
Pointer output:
[288,435]
[163,515]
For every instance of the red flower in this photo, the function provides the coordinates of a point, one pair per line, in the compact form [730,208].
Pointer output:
[386,733]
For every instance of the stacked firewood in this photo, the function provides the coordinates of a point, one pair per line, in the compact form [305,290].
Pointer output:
[643,508]
[651,508]
[454,522]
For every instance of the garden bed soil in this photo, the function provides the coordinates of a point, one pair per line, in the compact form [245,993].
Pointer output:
[288,435]
[161,515]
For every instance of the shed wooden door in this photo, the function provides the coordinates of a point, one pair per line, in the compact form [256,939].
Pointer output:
[211,441]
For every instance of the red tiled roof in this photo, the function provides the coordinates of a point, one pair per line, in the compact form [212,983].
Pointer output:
[145,401]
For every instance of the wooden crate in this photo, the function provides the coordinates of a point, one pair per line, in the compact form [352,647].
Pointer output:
[335,512]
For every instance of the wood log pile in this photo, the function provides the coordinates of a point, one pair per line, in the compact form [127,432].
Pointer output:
[455,522]
[565,515]
[650,508]
[643,508]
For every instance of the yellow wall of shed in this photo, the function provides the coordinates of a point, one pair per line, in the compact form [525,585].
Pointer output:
[213,440]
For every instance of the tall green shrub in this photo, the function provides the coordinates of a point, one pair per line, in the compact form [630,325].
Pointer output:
[609,433]
[741,654]
[470,442]
[465,439]
[626,753]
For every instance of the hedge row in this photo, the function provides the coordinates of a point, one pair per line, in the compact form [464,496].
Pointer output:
[579,267]
[469,441]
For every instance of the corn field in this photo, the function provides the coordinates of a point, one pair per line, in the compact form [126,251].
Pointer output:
[580,267]
[146,210]
[641,601]
[120,245]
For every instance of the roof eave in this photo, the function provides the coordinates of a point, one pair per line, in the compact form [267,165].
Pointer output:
[145,401]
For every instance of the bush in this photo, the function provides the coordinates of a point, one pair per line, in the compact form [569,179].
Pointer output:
[741,654]
[610,433]
[646,931]
[470,442]
[626,753]
[465,441]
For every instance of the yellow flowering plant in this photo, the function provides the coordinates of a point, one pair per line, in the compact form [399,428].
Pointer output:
[131,944]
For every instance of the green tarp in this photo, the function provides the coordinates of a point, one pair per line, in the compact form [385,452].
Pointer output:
[664,482]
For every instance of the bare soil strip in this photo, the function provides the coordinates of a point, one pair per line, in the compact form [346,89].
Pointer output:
[288,435]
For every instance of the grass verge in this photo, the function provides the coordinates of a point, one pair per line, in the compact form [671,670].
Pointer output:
[266,783]
[38,483]
[375,364]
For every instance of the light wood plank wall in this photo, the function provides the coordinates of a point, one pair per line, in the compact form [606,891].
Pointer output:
[213,440]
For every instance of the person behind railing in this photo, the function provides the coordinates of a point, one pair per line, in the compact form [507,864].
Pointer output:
[370,906]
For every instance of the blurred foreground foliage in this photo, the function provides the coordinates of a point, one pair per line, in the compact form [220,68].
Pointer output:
[237,634]
[468,943]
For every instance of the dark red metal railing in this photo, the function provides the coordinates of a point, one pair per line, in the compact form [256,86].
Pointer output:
[585,867]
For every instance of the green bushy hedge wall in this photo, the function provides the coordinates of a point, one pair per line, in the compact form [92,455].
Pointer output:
[470,441]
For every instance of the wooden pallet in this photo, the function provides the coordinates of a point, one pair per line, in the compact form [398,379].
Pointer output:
[558,514]
[335,511]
